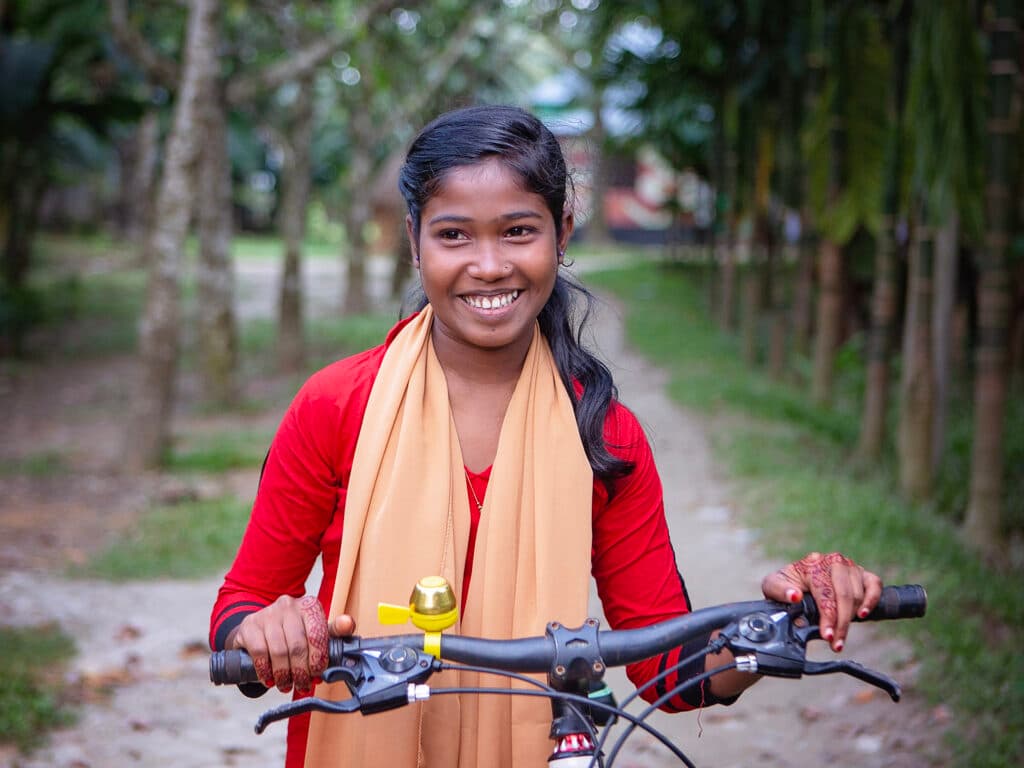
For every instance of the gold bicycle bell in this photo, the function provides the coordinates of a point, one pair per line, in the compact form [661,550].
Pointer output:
[431,608]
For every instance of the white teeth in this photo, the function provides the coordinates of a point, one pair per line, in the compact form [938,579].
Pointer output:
[491,302]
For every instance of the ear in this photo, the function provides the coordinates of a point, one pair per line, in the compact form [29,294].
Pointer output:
[414,248]
[568,225]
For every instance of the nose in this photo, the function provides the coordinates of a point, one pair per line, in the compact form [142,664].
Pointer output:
[488,262]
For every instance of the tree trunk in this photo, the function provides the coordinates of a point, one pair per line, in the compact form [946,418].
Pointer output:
[750,314]
[985,506]
[828,327]
[358,214]
[215,281]
[777,329]
[141,178]
[403,272]
[597,225]
[883,317]
[291,348]
[829,322]
[803,286]
[917,393]
[1016,363]
[947,256]
[149,434]
[884,288]
[727,273]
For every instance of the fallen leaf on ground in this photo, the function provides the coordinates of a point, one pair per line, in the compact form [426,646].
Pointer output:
[864,696]
[810,714]
[128,632]
[194,648]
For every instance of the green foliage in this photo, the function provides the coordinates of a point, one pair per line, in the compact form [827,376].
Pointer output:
[807,495]
[183,541]
[854,101]
[31,662]
[946,110]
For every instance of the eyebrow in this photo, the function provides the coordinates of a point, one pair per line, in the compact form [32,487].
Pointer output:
[456,219]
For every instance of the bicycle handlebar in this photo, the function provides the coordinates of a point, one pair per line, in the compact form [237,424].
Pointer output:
[614,647]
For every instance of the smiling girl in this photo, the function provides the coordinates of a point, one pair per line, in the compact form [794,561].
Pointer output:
[483,443]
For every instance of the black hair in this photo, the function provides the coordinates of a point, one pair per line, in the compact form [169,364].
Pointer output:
[525,145]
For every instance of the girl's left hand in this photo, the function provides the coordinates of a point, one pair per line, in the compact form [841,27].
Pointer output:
[840,587]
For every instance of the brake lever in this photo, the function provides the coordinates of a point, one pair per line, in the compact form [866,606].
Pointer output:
[775,644]
[377,679]
[774,639]
[856,670]
[299,706]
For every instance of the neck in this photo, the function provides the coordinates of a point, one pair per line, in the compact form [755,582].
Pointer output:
[479,366]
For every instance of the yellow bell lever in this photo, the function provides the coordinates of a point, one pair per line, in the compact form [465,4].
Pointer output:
[431,608]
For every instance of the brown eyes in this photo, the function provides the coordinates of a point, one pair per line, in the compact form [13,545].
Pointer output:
[512,233]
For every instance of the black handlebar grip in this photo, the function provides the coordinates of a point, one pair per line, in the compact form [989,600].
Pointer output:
[232,668]
[909,601]
[235,667]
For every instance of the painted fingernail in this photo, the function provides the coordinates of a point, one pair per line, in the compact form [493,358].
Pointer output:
[792,595]
[838,646]
[828,634]
[863,613]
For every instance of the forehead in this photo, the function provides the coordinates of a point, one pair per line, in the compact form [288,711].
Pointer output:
[486,184]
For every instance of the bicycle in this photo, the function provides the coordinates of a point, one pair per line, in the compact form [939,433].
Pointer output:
[383,673]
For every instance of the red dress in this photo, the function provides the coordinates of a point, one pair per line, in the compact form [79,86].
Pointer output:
[298,516]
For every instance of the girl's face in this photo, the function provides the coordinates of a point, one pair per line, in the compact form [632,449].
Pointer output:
[487,256]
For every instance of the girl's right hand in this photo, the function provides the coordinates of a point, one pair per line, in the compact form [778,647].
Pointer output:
[287,641]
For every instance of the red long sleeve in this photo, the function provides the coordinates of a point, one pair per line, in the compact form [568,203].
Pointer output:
[299,510]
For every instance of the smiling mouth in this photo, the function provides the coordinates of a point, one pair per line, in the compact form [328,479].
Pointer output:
[491,302]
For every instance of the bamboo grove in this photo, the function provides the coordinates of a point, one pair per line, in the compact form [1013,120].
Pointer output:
[864,157]
[891,133]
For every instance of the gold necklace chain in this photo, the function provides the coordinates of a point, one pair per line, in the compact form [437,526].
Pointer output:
[472,490]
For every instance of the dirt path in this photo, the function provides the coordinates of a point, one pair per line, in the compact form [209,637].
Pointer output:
[142,661]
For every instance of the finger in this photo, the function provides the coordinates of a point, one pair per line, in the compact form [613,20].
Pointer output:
[280,657]
[783,586]
[298,654]
[872,593]
[250,638]
[315,628]
[848,592]
[342,625]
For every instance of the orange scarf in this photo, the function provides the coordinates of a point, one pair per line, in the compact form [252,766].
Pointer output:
[407,516]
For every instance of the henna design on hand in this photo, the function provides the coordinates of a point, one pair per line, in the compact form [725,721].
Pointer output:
[815,571]
[262,665]
[317,639]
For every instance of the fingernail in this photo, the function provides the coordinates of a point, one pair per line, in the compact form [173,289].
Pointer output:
[792,595]
[838,646]
[828,634]
[863,613]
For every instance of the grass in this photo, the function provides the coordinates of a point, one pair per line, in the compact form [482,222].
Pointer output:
[219,452]
[31,666]
[791,460]
[268,247]
[328,338]
[183,541]
[44,464]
